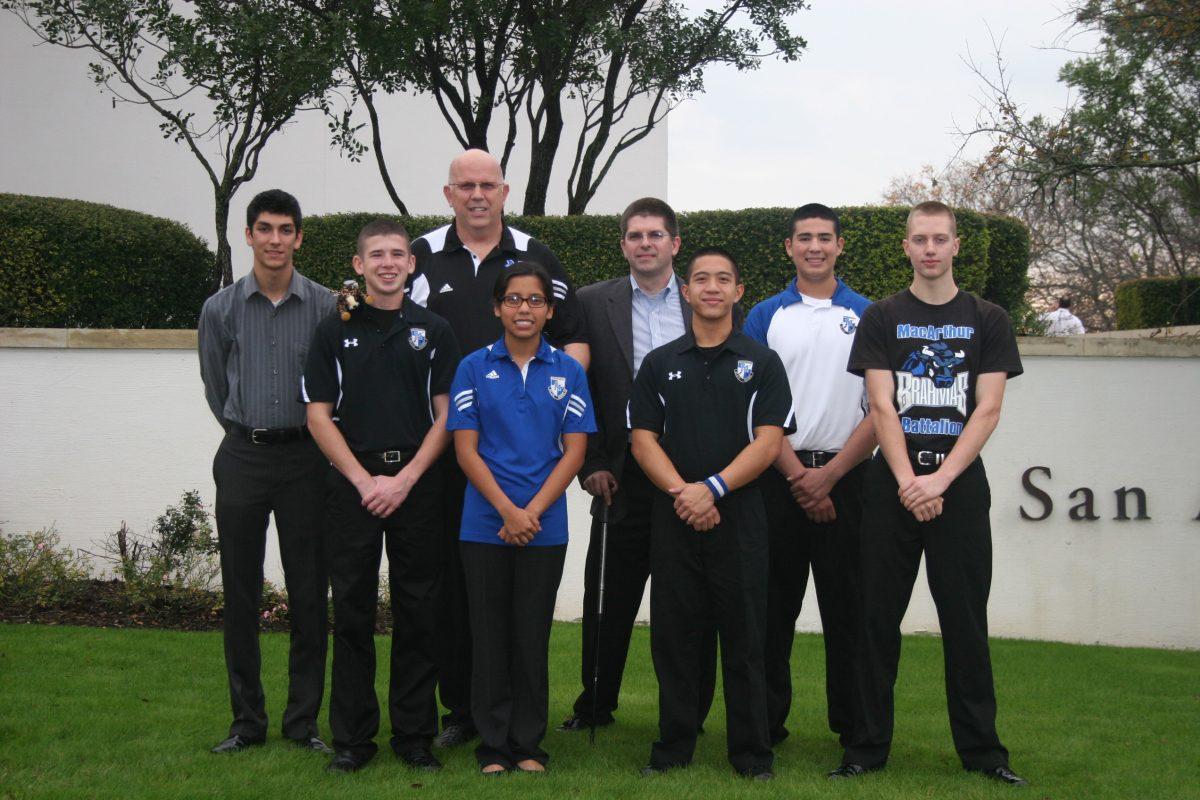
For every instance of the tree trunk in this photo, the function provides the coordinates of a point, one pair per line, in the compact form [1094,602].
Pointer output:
[541,159]
[223,271]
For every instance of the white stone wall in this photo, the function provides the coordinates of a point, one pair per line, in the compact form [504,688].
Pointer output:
[91,437]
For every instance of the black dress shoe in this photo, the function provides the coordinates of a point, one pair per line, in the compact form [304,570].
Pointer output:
[454,735]
[346,761]
[236,744]
[420,758]
[575,723]
[1005,775]
[314,743]
[849,771]
[758,774]
[651,770]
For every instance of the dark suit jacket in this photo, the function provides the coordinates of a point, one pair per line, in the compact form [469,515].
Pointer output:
[608,311]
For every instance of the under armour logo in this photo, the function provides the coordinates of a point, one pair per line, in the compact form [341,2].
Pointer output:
[349,342]
[674,376]
[445,288]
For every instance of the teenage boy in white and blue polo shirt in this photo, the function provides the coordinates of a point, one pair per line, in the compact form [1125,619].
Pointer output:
[813,496]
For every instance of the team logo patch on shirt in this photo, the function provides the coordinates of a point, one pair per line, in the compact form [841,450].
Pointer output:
[744,370]
[416,338]
[849,325]
[558,387]
[508,262]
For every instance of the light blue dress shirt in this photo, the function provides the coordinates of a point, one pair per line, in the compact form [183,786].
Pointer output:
[657,319]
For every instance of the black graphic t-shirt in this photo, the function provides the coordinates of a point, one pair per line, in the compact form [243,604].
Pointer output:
[935,354]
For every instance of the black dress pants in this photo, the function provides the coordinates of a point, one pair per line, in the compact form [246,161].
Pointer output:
[354,540]
[512,592]
[626,569]
[254,481]
[958,562]
[453,615]
[831,551]
[720,575]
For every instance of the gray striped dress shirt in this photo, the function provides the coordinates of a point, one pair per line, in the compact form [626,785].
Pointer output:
[252,352]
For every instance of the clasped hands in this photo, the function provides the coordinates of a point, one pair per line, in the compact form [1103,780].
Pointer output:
[383,494]
[520,525]
[922,495]
[810,489]
[694,505]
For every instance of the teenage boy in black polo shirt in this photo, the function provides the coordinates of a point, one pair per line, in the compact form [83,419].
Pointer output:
[377,388]
[708,415]
[935,360]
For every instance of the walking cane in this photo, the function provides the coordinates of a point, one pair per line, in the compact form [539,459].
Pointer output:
[599,619]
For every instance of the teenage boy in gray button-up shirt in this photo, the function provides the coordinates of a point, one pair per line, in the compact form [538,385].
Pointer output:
[253,339]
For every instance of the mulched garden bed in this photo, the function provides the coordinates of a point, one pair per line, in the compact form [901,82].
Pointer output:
[106,604]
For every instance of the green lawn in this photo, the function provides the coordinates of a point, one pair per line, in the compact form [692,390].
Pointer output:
[131,714]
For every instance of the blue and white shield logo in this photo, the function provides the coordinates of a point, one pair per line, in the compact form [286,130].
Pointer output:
[744,371]
[849,325]
[558,387]
[416,338]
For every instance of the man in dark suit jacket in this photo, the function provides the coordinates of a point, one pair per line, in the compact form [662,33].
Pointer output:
[627,317]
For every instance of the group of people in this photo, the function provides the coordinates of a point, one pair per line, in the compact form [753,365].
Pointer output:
[727,456]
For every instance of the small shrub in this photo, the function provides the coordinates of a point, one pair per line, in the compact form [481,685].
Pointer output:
[1158,302]
[174,562]
[35,572]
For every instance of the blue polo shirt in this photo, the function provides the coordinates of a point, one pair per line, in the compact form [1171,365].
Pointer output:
[521,419]
[813,337]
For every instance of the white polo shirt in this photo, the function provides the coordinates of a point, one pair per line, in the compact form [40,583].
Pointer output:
[813,337]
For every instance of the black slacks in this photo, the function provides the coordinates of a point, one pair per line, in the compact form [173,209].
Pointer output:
[354,540]
[719,575]
[626,569]
[254,481]
[453,615]
[958,562]
[831,551]
[511,592]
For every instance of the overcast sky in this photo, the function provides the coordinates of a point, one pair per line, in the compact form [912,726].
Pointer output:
[881,90]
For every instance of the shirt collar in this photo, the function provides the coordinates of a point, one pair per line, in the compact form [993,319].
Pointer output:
[672,286]
[736,343]
[840,294]
[544,352]
[250,286]
[453,242]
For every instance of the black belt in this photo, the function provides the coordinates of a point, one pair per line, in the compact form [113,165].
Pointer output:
[815,458]
[385,457]
[267,435]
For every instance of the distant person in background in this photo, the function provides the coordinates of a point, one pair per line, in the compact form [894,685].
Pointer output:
[254,336]
[1060,321]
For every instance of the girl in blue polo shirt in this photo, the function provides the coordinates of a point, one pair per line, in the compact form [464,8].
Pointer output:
[520,415]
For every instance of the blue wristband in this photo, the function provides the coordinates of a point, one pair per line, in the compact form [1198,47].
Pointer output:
[716,484]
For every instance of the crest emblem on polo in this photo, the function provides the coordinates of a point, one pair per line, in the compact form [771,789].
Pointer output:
[848,325]
[558,387]
[417,338]
[744,370]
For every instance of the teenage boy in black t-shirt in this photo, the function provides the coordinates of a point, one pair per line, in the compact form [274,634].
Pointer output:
[935,360]
[377,387]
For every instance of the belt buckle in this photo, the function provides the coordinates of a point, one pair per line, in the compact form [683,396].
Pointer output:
[392,456]
[254,432]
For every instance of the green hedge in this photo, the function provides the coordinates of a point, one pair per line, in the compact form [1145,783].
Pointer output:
[71,264]
[1157,302]
[992,261]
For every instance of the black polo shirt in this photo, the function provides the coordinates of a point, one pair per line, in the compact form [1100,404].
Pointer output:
[380,381]
[706,403]
[450,282]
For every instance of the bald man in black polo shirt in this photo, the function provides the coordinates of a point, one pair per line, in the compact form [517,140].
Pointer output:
[384,374]
[708,549]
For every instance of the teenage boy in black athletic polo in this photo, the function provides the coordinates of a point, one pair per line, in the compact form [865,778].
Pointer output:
[708,416]
[377,387]
[935,360]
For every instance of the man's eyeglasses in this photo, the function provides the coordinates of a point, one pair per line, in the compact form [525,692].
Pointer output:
[657,237]
[515,300]
[486,187]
